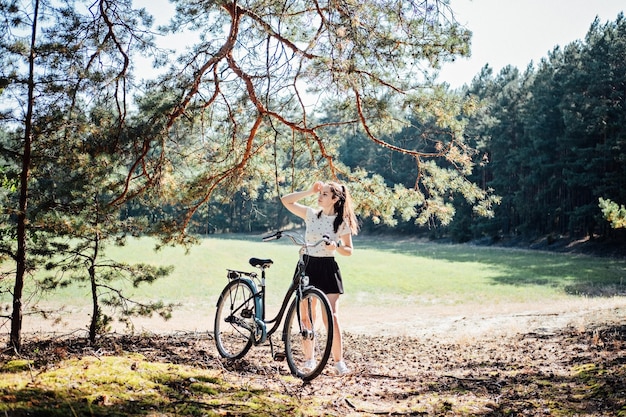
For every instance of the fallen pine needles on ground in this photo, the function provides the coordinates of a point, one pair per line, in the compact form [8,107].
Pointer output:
[566,371]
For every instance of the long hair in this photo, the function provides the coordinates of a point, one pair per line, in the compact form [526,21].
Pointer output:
[344,208]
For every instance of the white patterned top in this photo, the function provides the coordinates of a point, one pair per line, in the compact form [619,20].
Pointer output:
[317,228]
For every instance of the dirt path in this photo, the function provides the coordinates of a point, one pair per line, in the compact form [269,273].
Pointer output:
[450,323]
[481,321]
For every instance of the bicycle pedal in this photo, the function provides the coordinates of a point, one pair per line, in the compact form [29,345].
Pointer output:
[279,356]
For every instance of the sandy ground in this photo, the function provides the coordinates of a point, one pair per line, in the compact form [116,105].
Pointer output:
[480,321]
[448,322]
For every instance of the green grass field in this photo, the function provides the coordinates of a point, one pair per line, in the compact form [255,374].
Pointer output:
[382,271]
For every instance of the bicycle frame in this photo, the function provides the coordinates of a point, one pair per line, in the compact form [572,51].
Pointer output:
[259,299]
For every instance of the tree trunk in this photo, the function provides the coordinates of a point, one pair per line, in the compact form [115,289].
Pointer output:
[94,326]
[95,315]
[16,316]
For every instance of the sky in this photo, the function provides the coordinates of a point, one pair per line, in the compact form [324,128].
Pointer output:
[516,32]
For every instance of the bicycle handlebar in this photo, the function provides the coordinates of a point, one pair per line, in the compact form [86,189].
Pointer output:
[275,236]
[296,238]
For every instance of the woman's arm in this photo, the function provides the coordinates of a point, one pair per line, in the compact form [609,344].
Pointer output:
[344,246]
[290,201]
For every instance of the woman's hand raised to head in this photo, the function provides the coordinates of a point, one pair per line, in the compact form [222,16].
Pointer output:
[317,187]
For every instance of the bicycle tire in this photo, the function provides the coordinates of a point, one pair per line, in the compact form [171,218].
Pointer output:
[308,334]
[234,324]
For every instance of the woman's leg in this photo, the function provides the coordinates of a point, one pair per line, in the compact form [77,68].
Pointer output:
[306,322]
[337,349]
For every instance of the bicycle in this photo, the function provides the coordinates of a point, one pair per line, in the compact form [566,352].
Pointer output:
[307,332]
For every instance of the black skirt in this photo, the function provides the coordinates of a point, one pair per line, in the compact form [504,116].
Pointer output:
[324,274]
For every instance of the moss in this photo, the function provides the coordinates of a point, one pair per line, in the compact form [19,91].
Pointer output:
[130,385]
[17,365]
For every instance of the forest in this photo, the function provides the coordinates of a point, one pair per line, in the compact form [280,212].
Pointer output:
[265,97]
[554,136]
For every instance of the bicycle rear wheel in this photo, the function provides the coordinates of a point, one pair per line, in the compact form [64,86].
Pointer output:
[234,320]
[308,334]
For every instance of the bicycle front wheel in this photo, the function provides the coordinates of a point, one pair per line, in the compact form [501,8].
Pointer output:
[308,334]
[234,320]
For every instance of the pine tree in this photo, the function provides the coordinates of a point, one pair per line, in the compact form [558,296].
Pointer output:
[61,146]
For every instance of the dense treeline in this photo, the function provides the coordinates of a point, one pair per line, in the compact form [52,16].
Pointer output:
[555,137]
[552,139]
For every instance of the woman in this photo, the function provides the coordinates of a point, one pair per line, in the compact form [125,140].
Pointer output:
[334,218]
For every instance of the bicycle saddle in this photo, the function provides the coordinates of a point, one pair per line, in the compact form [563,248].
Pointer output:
[261,263]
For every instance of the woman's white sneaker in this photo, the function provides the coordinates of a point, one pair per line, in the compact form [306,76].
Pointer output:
[310,364]
[341,368]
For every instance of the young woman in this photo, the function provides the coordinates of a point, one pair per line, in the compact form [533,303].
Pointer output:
[334,218]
